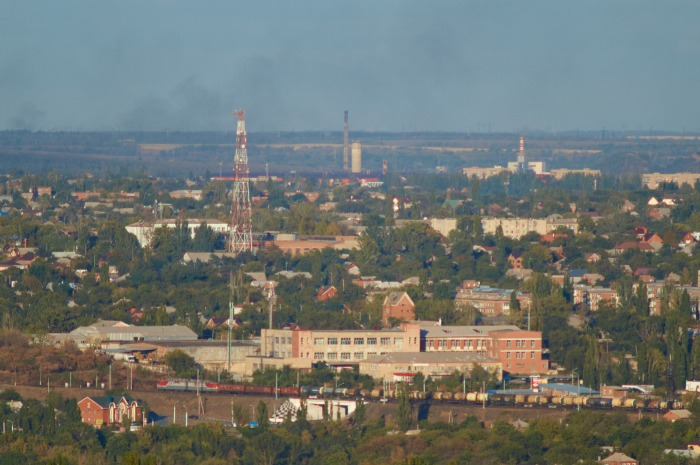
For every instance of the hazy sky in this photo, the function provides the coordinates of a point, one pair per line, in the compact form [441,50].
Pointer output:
[296,65]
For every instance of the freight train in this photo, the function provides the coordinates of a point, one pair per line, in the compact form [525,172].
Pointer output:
[500,399]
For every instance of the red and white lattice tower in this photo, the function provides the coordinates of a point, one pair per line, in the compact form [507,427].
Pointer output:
[241,236]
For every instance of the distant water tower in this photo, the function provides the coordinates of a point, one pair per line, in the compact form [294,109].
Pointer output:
[357,157]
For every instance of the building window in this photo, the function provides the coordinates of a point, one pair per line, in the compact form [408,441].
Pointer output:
[386,341]
[359,341]
[508,355]
[345,356]
[358,356]
[470,343]
[522,344]
[332,356]
[277,340]
[508,343]
[532,355]
[345,341]
[371,354]
[517,355]
[318,355]
[289,340]
[532,343]
[430,343]
[371,341]
[517,343]
[318,341]
[398,341]
[332,341]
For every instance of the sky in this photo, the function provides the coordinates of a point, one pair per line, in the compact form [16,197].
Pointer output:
[427,65]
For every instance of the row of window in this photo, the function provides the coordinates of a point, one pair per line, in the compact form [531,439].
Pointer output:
[283,340]
[343,355]
[416,369]
[521,343]
[468,344]
[521,355]
[358,341]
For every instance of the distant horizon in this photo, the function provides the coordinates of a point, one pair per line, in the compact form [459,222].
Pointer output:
[395,65]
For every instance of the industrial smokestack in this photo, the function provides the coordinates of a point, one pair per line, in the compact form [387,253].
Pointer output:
[346,151]
[521,156]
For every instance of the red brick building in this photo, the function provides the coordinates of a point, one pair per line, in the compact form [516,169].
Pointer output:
[398,305]
[519,351]
[98,411]
[326,293]
[614,392]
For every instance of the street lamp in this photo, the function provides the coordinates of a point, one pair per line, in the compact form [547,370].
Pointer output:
[186,416]
[174,417]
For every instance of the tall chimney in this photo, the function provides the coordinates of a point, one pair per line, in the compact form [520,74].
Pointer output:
[346,151]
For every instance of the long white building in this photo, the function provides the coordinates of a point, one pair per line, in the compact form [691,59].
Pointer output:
[144,230]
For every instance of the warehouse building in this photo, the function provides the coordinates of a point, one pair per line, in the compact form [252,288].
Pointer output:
[402,366]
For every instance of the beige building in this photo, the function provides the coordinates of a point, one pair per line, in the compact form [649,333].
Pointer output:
[339,347]
[211,355]
[654,180]
[254,363]
[400,366]
[483,173]
[537,167]
[516,228]
[443,225]
[301,245]
[562,172]
[357,157]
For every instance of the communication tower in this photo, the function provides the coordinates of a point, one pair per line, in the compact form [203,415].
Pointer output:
[241,236]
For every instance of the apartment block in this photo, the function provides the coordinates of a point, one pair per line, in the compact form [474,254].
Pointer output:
[490,301]
[516,228]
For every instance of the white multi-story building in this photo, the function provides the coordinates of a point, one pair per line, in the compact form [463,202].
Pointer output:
[516,228]
[144,230]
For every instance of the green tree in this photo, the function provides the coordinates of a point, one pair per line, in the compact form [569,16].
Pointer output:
[267,447]
[403,411]
[590,368]
[262,415]
[514,304]
[360,412]
[182,364]
[642,300]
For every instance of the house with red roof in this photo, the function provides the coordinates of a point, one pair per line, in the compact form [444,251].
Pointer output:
[327,292]
[98,411]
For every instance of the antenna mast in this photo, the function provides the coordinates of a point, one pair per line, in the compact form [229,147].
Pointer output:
[241,211]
